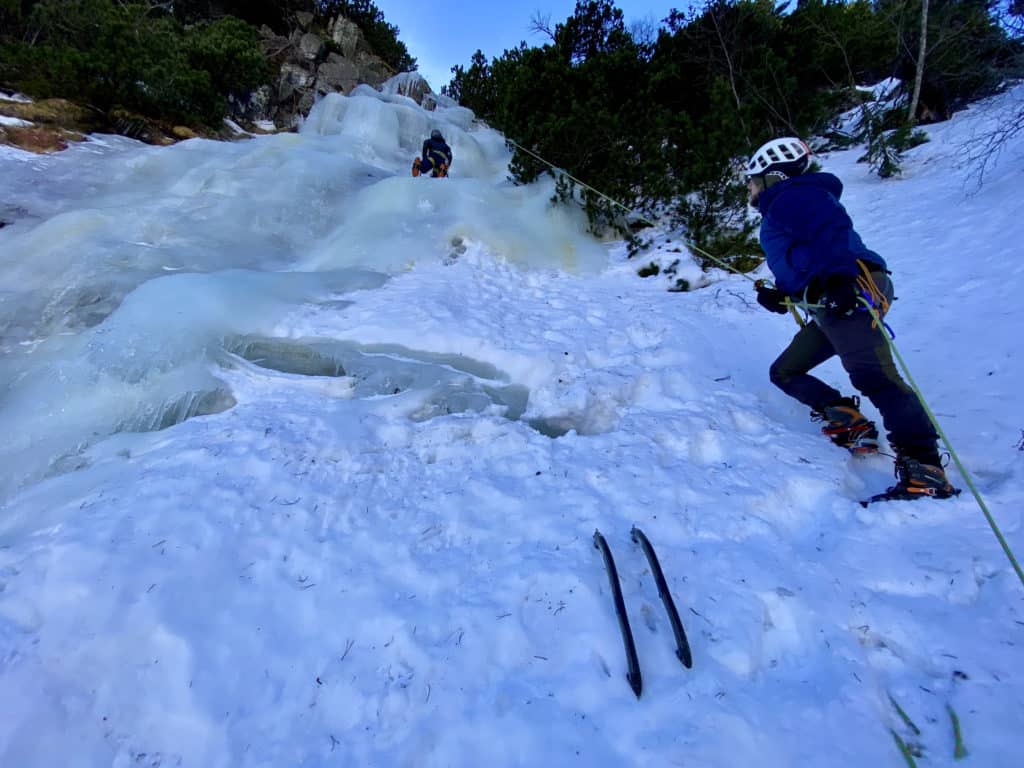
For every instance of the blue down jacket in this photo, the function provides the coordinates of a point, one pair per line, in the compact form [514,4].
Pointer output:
[807,235]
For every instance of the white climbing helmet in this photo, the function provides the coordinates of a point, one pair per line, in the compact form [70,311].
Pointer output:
[785,157]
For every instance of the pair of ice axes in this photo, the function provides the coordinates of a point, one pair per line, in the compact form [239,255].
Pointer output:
[682,645]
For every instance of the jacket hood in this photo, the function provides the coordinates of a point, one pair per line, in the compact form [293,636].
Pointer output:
[826,181]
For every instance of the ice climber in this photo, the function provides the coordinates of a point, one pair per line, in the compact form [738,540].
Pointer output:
[818,258]
[435,157]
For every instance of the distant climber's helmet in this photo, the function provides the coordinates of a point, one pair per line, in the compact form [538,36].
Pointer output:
[779,159]
[436,134]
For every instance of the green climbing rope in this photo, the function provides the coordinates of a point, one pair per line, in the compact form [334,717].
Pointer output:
[626,208]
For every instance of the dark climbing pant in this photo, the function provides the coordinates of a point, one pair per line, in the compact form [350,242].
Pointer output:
[434,163]
[865,355]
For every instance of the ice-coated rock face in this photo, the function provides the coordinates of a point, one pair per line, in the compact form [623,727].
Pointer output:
[312,63]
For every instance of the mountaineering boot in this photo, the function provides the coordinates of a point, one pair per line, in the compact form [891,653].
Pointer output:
[847,427]
[416,167]
[916,480]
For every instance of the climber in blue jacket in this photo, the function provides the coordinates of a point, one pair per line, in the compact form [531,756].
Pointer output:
[435,157]
[818,259]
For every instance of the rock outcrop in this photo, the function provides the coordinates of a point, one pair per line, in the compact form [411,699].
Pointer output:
[50,125]
[45,126]
[310,63]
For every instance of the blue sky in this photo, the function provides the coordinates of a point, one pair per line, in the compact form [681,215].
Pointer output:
[443,33]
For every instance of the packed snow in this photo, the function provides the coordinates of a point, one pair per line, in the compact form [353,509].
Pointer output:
[304,458]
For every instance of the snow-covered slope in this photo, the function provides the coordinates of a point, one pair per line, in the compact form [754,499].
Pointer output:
[394,566]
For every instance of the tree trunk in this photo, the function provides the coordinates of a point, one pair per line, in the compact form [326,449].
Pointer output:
[732,75]
[919,75]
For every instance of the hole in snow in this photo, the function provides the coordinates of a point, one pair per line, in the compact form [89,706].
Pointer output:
[285,356]
[447,383]
[153,418]
[554,426]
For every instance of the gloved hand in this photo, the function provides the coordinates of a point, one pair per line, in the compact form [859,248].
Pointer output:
[840,295]
[770,298]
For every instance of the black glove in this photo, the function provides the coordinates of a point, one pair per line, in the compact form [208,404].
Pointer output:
[770,298]
[840,295]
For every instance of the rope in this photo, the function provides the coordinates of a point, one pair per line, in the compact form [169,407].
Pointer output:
[949,446]
[872,293]
[583,184]
[626,208]
[692,246]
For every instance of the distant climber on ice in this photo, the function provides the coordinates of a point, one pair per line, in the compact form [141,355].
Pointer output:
[818,259]
[435,157]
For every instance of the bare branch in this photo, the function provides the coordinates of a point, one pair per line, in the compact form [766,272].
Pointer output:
[984,147]
[540,22]
[732,74]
